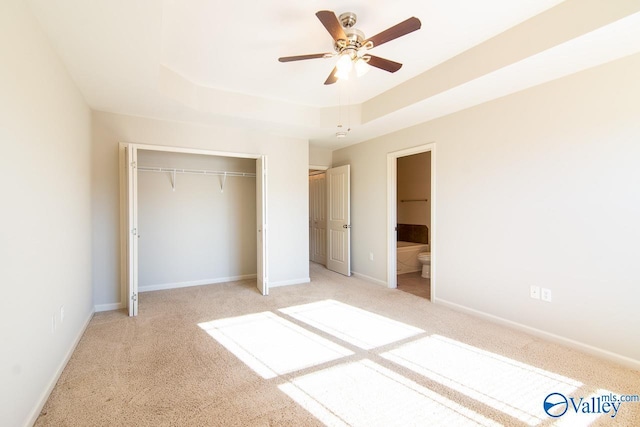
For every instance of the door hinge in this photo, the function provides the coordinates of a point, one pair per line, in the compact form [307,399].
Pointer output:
[134,297]
[134,231]
[133,165]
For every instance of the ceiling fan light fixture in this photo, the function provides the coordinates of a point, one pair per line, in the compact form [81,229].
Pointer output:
[342,75]
[344,63]
[361,66]
[343,66]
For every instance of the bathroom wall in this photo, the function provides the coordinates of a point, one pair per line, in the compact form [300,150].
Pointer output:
[414,182]
[195,234]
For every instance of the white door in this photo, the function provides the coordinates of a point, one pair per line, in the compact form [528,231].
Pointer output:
[339,220]
[132,246]
[261,220]
[318,218]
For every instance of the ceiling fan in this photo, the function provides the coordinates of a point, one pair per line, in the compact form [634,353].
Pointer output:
[352,47]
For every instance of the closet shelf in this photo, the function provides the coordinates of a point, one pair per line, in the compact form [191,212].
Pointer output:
[195,171]
[174,171]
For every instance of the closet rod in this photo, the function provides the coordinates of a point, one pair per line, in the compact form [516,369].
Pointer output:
[195,171]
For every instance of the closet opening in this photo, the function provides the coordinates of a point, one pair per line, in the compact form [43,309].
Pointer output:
[330,217]
[194,217]
[318,216]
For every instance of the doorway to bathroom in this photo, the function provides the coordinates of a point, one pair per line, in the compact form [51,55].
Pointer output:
[410,211]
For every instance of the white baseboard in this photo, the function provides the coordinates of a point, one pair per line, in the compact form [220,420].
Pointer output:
[164,286]
[289,282]
[369,279]
[35,413]
[108,307]
[586,348]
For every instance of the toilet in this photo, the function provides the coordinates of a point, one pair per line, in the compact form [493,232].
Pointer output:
[425,260]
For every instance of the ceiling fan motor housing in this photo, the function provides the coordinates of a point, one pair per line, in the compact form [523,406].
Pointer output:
[354,40]
[348,19]
[355,37]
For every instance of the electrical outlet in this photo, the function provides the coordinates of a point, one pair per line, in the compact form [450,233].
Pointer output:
[370,256]
[535,292]
[546,295]
[62,314]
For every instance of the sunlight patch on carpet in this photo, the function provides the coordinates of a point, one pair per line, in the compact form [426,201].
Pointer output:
[512,387]
[364,393]
[271,345]
[359,327]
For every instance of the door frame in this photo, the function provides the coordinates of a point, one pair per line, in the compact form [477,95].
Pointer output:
[392,213]
[127,211]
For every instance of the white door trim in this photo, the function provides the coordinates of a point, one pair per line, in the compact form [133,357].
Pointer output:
[125,211]
[392,179]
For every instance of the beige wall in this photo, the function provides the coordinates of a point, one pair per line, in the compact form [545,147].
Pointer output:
[287,192]
[195,234]
[45,237]
[536,188]
[414,182]
[319,156]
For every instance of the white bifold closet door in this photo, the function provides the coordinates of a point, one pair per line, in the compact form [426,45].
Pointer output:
[261,220]
[339,220]
[132,228]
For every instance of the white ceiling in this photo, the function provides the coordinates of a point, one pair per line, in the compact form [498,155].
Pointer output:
[216,62]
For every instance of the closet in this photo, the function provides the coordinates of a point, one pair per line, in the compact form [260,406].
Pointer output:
[318,217]
[194,219]
[330,218]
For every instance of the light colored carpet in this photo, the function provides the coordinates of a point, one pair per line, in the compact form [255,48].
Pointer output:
[338,351]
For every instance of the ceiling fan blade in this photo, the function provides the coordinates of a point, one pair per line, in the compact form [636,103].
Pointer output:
[332,77]
[398,30]
[303,57]
[384,64]
[331,23]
